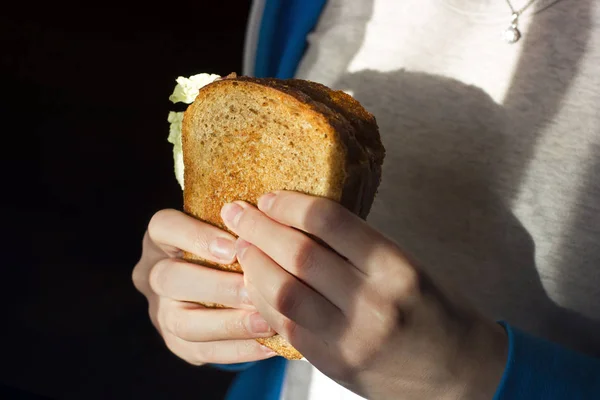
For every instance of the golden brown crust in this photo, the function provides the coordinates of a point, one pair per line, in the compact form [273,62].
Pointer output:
[281,347]
[207,205]
[249,155]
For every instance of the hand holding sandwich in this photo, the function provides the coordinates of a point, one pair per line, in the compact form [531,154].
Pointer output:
[344,296]
[359,310]
[174,289]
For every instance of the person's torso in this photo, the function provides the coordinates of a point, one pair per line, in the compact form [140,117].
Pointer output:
[492,173]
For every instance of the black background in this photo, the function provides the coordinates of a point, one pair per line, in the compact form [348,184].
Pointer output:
[84,100]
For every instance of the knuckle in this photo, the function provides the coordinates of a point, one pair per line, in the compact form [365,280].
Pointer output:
[344,374]
[397,277]
[381,325]
[159,276]
[176,324]
[290,299]
[412,283]
[352,361]
[138,279]
[290,328]
[303,257]
[407,283]
[205,353]
[158,221]
[159,313]
[329,217]
[199,237]
[155,318]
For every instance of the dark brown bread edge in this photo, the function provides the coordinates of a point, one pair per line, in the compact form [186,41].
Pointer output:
[365,128]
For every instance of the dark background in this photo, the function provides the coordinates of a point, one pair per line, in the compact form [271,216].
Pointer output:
[84,100]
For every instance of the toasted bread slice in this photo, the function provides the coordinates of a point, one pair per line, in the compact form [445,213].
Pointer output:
[245,137]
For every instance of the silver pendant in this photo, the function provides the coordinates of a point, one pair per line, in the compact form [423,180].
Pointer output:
[512,34]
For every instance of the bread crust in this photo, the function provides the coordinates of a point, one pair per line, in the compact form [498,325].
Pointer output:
[365,129]
[358,161]
[343,118]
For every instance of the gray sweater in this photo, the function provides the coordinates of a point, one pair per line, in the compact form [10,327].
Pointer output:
[492,175]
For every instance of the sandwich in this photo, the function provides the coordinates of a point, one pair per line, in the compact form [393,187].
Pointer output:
[242,137]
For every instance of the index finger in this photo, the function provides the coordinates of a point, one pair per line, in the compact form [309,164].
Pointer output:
[346,233]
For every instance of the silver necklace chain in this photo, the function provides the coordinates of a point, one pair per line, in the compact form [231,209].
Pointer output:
[512,34]
[520,10]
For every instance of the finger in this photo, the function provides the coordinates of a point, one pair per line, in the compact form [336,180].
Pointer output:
[351,341]
[346,233]
[317,347]
[320,268]
[182,281]
[151,254]
[219,352]
[174,231]
[286,294]
[199,324]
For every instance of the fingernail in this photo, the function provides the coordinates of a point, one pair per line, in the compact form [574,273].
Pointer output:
[223,249]
[240,247]
[231,213]
[265,201]
[268,351]
[258,324]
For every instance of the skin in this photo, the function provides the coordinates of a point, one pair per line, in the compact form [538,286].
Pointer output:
[172,287]
[357,307]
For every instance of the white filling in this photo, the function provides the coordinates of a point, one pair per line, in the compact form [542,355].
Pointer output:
[185,91]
